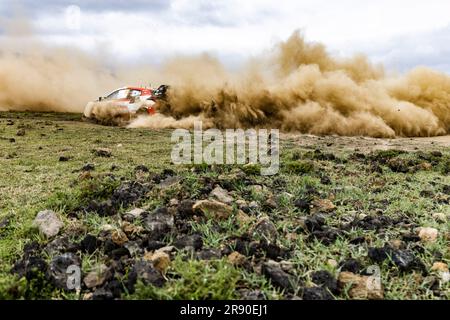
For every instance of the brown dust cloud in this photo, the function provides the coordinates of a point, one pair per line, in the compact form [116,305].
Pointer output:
[296,87]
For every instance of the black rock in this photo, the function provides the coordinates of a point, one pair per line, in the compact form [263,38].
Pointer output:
[102,294]
[152,245]
[303,204]
[141,168]
[185,208]
[247,247]
[209,254]
[57,271]
[277,276]
[63,159]
[273,251]
[129,193]
[191,241]
[120,252]
[405,260]
[159,223]
[88,167]
[411,237]
[144,271]
[378,255]
[109,246]
[350,265]
[103,209]
[325,279]
[325,180]
[247,294]
[317,293]
[315,223]
[90,243]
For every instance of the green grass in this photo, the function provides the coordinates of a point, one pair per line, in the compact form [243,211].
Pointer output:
[32,179]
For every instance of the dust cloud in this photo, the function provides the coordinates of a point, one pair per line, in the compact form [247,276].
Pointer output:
[297,87]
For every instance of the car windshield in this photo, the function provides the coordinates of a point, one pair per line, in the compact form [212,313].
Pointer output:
[118,94]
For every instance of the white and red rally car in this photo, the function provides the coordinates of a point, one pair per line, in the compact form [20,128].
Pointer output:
[126,102]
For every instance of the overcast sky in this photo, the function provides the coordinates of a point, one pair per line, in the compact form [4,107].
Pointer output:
[399,33]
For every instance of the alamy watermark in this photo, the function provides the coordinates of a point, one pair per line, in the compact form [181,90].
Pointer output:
[231,146]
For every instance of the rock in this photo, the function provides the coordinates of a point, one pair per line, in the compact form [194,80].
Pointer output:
[428,234]
[221,195]
[440,266]
[209,254]
[253,205]
[131,230]
[89,244]
[102,294]
[332,263]
[57,271]
[20,132]
[277,276]
[174,202]
[213,209]
[303,204]
[325,279]
[169,182]
[48,223]
[144,271]
[440,217]
[317,293]
[236,259]
[160,260]
[88,167]
[360,287]
[119,237]
[159,223]
[242,218]
[64,159]
[322,206]
[315,223]
[266,229]
[102,152]
[405,260]
[184,209]
[193,241]
[286,266]
[247,294]
[97,277]
[350,265]
[134,248]
[61,245]
[135,213]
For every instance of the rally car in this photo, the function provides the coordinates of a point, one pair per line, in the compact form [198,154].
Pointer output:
[126,103]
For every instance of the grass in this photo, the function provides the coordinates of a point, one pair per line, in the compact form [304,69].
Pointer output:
[32,179]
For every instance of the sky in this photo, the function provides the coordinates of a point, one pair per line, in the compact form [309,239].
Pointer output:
[401,34]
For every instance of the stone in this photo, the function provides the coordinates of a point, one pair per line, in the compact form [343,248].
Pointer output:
[58,269]
[322,206]
[102,152]
[360,287]
[317,293]
[131,230]
[119,237]
[265,228]
[242,218]
[97,277]
[440,217]
[213,209]
[272,270]
[135,213]
[221,195]
[48,223]
[325,279]
[193,241]
[89,243]
[159,223]
[428,234]
[236,259]
[160,260]
[209,254]
[144,271]
[439,266]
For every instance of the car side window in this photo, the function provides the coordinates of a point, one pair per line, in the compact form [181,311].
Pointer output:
[135,93]
[113,95]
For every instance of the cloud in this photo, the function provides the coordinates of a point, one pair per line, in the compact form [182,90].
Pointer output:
[401,33]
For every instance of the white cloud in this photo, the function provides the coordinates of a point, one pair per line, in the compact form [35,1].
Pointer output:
[233,28]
